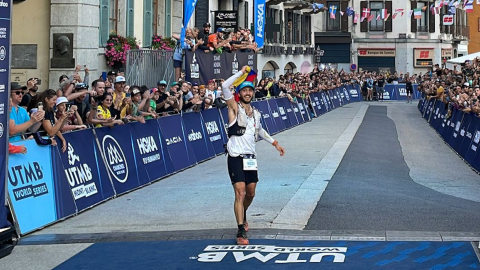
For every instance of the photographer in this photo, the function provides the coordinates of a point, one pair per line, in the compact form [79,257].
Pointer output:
[73,121]
[51,126]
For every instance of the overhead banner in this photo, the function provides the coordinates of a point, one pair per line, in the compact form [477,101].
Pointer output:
[36,189]
[259,22]
[84,169]
[201,67]
[5,35]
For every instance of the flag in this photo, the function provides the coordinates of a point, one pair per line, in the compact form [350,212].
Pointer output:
[351,12]
[378,17]
[341,13]
[365,12]
[384,13]
[452,10]
[332,10]
[355,18]
[189,8]
[386,18]
[468,2]
[456,4]
[399,10]
[370,17]
[417,13]
[247,77]
[424,8]
[410,13]
[332,16]
[394,15]
[469,7]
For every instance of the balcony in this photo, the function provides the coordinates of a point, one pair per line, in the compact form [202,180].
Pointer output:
[460,32]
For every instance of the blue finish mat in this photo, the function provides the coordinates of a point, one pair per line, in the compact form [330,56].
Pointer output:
[275,254]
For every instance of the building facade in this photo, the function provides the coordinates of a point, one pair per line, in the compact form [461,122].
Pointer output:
[402,44]
[474,25]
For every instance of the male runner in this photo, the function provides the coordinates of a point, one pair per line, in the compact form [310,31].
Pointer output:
[409,88]
[243,128]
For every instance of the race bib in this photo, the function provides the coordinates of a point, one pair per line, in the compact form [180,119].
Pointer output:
[250,164]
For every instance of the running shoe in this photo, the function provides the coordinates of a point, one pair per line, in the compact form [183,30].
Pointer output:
[242,238]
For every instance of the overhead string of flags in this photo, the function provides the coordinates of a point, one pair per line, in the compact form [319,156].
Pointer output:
[434,8]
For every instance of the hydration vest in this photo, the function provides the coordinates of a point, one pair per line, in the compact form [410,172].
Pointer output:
[240,126]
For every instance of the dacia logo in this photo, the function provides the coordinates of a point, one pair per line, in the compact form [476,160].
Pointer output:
[115,158]
[147,145]
[173,140]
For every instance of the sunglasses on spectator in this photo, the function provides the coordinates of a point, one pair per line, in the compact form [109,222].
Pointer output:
[18,93]
[108,99]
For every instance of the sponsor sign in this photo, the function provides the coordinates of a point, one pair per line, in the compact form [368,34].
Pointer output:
[377,52]
[195,133]
[201,67]
[259,21]
[5,45]
[447,19]
[117,149]
[212,126]
[447,53]
[423,57]
[178,147]
[226,19]
[34,189]
[85,172]
[274,111]
[262,107]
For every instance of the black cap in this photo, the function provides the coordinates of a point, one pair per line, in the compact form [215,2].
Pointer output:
[17,86]
[111,72]
[207,24]
[81,86]
[62,77]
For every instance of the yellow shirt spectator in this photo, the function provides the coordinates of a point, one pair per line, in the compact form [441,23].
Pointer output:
[103,114]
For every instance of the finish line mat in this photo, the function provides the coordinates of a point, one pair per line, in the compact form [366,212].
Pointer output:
[275,254]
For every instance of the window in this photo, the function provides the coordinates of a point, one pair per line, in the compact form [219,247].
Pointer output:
[333,24]
[422,24]
[108,19]
[375,10]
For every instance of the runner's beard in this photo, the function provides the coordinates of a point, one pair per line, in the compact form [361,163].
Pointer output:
[243,100]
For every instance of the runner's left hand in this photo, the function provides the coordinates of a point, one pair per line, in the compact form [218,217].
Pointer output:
[280,149]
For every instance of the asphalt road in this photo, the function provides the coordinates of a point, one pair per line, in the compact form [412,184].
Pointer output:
[372,189]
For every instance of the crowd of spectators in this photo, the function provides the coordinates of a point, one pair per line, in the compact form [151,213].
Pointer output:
[77,105]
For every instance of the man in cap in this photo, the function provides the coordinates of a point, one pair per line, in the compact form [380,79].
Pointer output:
[216,41]
[203,35]
[120,101]
[32,88]
[20,120]
[111,75]
[244,126]
[162,96]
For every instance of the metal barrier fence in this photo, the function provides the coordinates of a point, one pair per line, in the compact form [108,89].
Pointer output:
[147,67]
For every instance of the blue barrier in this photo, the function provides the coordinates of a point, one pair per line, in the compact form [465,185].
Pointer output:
[316,104]
[461,130]
[46,185]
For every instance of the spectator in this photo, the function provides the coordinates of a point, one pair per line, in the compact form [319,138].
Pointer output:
[103,112]
[78,97]
[216,42]
[188,44]
[12,149]
[211,92]
[32,88]
[120,101]
[20,121]
[204,37]
[74,120]
[162,97]
[51,126]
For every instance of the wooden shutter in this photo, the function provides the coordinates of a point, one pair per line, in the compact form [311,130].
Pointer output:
[147,22]
[413,21]
[104,22]
[364,24]
[168,18]
[344,18]
[388,23]
[431,22]
[130,18]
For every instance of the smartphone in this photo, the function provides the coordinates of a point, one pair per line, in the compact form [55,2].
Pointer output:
[40,106]
[39,81]
[69,106]
[127,95]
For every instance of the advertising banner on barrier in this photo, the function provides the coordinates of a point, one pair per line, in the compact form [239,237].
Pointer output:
[469,134]
[389,92]
[475,141]
[326,103]
[35,189]
[401,91]
[259,22]
[302,110]
[195,134]
[116,147]
[448,129]
[283,112]
[201,67]
[465,134]
[272,105]
[459,134]
[262,107]
[316,104]
[213,129]
[296,111]
[346,95]
[429,109]
[289,110]
[456,123]
[438,116]
[85,170]
[178,147]
[149,151]
[224,116]
[5,41]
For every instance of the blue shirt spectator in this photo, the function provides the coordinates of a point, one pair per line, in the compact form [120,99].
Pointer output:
[19,115]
